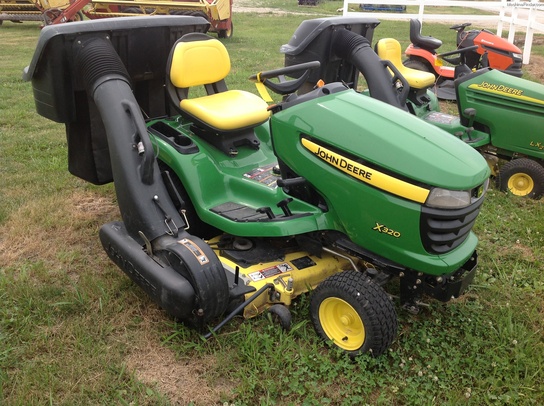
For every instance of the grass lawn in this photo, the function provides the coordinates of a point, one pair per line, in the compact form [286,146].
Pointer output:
[74,330]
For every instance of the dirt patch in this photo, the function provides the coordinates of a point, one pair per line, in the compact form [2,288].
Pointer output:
[248,6]
[182,380]
[68,221]
[536,68]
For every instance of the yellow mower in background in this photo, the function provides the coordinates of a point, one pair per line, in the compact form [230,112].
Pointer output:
[217,12]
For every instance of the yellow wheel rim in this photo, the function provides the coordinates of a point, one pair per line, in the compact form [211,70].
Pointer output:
[520,184]
[342,324]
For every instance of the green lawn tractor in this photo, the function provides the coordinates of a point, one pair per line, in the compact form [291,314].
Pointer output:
[230,206]
[500,115]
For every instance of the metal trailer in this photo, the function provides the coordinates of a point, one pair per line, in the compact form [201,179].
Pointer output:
[217,12]
[45,11]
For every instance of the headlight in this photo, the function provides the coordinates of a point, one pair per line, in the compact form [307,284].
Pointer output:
[518,56]
[455,199]
[448,199]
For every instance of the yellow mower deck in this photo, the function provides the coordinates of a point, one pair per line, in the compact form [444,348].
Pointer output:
[297,273]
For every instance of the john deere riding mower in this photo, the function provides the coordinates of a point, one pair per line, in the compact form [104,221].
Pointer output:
[500,115]
[230,206]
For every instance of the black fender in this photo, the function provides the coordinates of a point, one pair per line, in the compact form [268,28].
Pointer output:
[163,284]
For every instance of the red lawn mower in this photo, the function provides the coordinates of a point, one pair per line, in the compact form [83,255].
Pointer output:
[475,48]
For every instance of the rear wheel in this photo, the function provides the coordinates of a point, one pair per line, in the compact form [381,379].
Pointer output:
[226,33]
[77,17]
[354,313]
[193,259]
[522,177]
[418,65]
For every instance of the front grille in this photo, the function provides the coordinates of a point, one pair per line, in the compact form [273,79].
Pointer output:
[442,230]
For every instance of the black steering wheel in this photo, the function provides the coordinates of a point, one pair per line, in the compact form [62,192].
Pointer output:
[460,27]
[284,86]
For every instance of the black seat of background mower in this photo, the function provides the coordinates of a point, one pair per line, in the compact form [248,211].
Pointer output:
[225,118]
[423,41]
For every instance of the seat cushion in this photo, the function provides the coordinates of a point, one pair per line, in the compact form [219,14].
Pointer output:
[417,79]
[228,111]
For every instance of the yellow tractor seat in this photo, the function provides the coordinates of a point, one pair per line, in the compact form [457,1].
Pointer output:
[227,111]
[389,49]
[225,118]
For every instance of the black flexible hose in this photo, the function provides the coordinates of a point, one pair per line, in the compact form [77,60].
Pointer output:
[356,49]
[136,175]
[96,61]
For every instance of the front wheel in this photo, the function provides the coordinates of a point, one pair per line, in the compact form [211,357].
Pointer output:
[522,177]
[354,313]
[281,315]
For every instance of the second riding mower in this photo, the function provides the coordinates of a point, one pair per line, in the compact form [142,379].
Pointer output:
[475,48]
[229,206]
[500,115]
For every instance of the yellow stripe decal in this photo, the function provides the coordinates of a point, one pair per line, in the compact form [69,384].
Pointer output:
[502,90]
[368,175]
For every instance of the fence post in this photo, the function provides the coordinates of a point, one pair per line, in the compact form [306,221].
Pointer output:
[421,10]
[513,22]
[502,13]
[529,34]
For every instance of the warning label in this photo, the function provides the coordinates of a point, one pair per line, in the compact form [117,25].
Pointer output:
[264,175]
[195,250]
[441,118]
[269,272]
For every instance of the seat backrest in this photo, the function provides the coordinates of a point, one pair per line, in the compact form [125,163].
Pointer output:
[419,40]
[415,30]
[389,49]
[198,59]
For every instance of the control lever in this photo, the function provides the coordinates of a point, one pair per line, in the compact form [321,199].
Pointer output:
[283,205]
[267,211]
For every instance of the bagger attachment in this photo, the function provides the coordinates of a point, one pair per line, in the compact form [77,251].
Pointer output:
[93,77]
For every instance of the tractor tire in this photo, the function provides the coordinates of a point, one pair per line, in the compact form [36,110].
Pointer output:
[522,177]
[132,10]
[193,259]
[281,315]
[77,17]
[352,312]
[226,33]
[418,65]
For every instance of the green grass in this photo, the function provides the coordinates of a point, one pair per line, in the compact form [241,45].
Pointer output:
[75,331]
